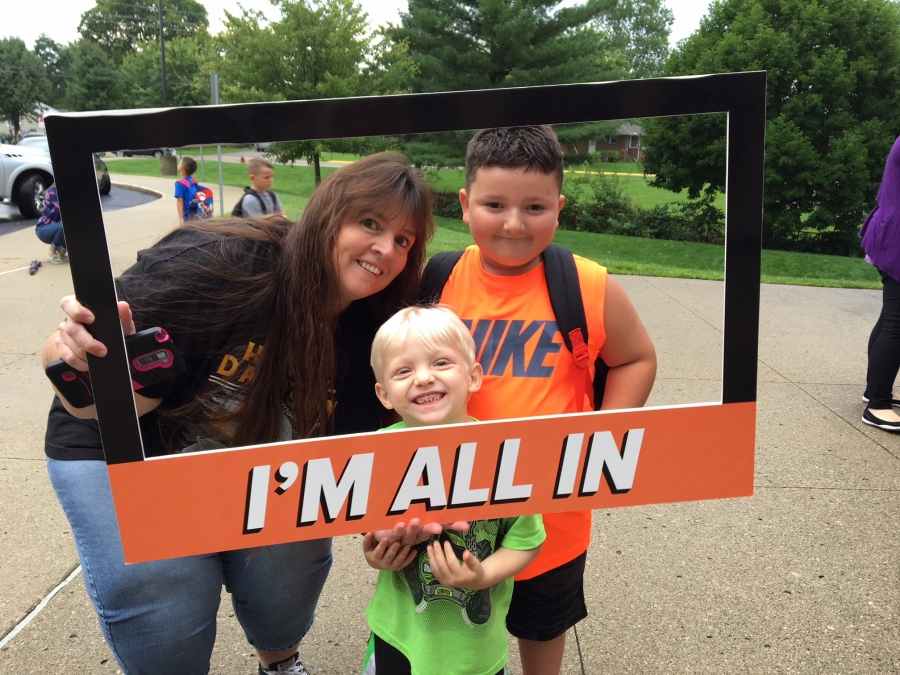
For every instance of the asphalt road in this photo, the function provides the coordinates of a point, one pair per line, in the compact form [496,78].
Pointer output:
[11,220]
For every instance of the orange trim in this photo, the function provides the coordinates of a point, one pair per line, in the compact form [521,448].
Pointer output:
[246,497]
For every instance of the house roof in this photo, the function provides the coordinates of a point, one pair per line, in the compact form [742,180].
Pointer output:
[630,130]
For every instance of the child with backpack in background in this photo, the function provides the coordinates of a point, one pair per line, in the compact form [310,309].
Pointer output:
[192,200]
[505,288]
[259,200]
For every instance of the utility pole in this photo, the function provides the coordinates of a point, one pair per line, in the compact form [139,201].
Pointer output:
[214,90]
[162,51]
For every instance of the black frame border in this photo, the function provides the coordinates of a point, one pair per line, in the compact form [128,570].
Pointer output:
[73,137]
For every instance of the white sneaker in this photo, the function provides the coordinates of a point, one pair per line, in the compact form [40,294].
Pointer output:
[55,259]
[286,667]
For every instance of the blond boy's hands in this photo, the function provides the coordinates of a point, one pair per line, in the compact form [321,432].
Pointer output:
[383,554]
[447,569]
[416,533]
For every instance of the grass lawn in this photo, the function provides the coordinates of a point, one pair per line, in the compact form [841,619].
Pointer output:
[622,255]
[661,258]
[633,185]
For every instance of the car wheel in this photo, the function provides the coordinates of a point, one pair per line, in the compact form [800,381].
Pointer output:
[31,196]
[105,184]
[120,153]
[157,154]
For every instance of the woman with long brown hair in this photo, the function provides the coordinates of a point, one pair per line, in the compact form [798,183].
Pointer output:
[274,321]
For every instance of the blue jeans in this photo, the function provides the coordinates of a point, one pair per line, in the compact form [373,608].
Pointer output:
[52,233]
[160,617]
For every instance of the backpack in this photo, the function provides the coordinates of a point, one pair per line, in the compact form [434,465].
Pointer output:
[238,210]
[568,306]
[199,199]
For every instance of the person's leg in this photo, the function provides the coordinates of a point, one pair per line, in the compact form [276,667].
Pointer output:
[59,239]
[542,658]
[48,233]
[884,353]
[389,659]
[156,617]
[274,591]
[542,609]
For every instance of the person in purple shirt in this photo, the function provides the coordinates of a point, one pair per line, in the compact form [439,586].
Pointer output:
[881,242]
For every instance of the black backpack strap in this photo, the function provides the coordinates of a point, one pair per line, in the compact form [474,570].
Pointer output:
[568,306]
[437,272]
[274,202]
[565,292]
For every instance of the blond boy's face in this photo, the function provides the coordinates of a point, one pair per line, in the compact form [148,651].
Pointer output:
[512,214]
[262,180]
[427,386]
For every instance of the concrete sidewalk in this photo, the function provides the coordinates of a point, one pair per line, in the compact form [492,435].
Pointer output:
[804,577]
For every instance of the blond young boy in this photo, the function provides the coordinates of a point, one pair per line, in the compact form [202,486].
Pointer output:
[261,199]
[511,203]
[434,613]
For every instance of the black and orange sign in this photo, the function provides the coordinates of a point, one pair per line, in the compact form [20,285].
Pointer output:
[226,499]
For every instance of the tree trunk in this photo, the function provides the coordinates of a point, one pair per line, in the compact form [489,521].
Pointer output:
[317,168]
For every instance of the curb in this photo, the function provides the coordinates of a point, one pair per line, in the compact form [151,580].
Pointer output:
[139,188]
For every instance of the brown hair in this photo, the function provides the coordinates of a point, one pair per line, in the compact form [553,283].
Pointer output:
[257,163]
[533,148]
[190,166]
[295,280]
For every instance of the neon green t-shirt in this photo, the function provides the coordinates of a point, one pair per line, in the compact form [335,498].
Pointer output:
[450,630]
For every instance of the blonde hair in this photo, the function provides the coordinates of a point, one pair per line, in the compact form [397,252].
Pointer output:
[431,327]
[257,163]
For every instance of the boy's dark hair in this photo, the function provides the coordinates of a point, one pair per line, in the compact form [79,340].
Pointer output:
[190,166]
[533,148]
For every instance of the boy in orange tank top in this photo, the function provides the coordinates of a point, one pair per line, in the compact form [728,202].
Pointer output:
[511,204]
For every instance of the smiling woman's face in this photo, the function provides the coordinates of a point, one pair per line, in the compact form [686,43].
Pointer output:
[370,252]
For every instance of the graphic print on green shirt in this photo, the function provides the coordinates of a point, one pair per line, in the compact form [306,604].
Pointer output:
[480,541]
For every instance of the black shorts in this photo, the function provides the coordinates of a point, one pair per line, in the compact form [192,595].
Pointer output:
[546,606]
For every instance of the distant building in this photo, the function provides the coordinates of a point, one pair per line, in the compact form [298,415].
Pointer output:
[626,144]
[34,122]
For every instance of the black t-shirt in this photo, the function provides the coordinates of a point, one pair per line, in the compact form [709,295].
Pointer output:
[215,357]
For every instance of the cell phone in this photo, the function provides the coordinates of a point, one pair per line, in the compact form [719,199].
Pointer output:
[152,358]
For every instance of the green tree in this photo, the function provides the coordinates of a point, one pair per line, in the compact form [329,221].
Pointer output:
[317,49]
[187,73]
[121,27]
[23,82]
[480,44]
[833,111]
[93,79]
[54,56]
[638,29]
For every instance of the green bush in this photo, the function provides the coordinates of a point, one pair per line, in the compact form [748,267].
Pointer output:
[596,203]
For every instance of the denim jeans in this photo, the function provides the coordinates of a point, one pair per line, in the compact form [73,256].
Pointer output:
[160,617]
[52,234]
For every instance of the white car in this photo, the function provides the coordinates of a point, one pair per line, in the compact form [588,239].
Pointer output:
[25,173]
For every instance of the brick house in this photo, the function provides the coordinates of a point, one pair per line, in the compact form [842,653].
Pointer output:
[626,143]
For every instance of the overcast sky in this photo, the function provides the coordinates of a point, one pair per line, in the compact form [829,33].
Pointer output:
[60,20]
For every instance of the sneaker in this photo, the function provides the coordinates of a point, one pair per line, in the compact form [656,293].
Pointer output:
[871,420]
[55,259]
[290,666]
